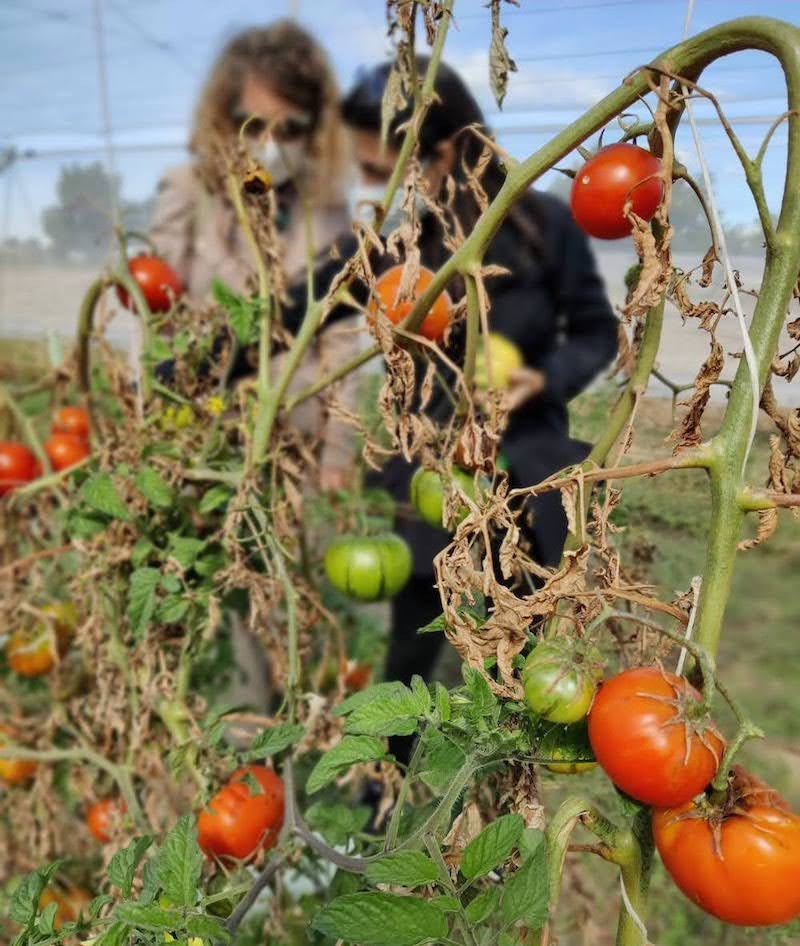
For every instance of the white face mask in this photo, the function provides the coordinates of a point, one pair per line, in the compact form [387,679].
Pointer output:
[361,202]
[282,161]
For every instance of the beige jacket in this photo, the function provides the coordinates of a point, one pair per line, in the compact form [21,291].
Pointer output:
[199,236]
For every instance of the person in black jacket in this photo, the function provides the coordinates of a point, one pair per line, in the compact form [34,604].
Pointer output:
[551,304]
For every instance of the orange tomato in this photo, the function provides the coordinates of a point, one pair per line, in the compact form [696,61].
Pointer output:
[72,901]
[385,298]
[14,771]
[103,816]
[33,653]
[236,823]
[65,450]
[72,420]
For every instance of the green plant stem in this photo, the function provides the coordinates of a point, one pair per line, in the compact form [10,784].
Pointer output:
[635,852]
[473,334]
[436,856]
[119,773]
[293,650]
[173,714]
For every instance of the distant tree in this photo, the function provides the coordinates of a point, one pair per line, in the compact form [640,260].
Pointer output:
[80,225]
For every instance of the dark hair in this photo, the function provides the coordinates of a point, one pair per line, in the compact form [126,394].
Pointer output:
[449,118]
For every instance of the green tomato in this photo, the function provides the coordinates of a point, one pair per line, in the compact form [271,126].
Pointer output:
[427,494]
[505,359]
[560,681]
[369,568]
[569,749]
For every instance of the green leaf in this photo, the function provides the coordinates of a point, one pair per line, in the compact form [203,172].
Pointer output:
[207,928]
[122,868]
[482,701]
[97,904]
[526,892]
[172,609]
[142,598]
[423,695]
[442,702]
[337,822]
[445,904]
[179,863]
[170,583]
[149,917]
[215,497]
[441,760]
[154,488]
[25,902]
[483,906]
[386,709]
[492,846]
[350,750]
[275,739]
[185,549]
[242,313]
[85,527]
[115,935]
[381,919]
[47,918]
[141,552]
[406,868]
[100,494]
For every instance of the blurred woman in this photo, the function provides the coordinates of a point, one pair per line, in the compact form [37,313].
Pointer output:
[551,304]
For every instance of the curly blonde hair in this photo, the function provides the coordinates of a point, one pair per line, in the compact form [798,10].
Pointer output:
[290,62]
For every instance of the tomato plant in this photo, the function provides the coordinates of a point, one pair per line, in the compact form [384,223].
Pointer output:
[18,465]
[72,420]
[159,282]
[65,450]
[616,174]
[560,680]
[738,860]
[238,822]
[646,738]
[427,494]
[567,748]
[386,298]
[369,567]
[102,816]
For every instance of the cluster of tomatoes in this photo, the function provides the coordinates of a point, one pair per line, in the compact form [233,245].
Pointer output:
[67,445]
[646,729]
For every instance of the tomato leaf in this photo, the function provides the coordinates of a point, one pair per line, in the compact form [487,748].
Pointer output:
[381,919]
[500,63]
[154,488]
[100,494]
[172,609]
[492,846]
[483,906]
[142,598]
[406,868]
[215,497]
[179,863]
[350,750]
[441,760]
[115,935]
[386,709]
[526,893]
[482,702]
[242,313]
[25,902]
[148,917]
[273,740]
[337,822]
[185,549]
[207,928]
[122,868]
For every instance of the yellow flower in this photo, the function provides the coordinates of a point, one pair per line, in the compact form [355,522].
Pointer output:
[215,405]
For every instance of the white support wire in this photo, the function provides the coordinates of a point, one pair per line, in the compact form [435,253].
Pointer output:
[719,240]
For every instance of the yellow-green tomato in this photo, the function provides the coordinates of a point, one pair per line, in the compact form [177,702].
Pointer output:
[566,749]
[560,681]
[427,495]
[503,356]
[369,567]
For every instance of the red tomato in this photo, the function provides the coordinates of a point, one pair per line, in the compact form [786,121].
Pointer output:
[236,823]
[617,173]
[64,450]
[103,816]
[642,738]
[72,420]
[18,465]
[386,291]
[159,282]
[358,676]
[740,863]
[14,771]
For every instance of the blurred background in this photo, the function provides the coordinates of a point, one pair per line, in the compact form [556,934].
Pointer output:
[97,96]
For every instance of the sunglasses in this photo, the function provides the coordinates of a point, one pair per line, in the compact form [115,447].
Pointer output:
[285,129]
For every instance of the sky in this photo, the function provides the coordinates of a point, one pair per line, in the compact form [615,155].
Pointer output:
[156,53]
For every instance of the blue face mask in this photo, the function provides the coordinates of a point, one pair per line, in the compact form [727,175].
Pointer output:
[362,198]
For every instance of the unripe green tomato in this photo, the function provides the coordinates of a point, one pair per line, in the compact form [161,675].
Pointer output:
[370,567]
[427,495]
[560,682]
[569,749]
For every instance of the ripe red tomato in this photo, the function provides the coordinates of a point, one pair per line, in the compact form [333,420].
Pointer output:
[643,739]
[600,189]
[34,652]
[159,282]
[103,816]
[236,823]
[386,297]
[72,420]
[14,771]
[64,450]
[357,676]
[740,863]
[18,465]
